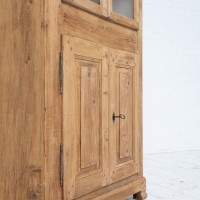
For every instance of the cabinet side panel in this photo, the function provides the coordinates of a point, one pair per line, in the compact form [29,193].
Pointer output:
[21,99]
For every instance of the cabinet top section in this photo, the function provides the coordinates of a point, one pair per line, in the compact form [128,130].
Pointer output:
[123,12]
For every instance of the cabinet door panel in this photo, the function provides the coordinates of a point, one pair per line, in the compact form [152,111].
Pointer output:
[85,98]
[124,95]
[123,134]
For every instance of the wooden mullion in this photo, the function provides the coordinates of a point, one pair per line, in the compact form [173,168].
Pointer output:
[136,10]
[104,4]
[109,8]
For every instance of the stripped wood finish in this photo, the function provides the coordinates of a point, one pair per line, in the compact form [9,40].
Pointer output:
[81,24]
[53,104]
[85,129]
[90,6]
[123,135]
[22,99]
[98,55]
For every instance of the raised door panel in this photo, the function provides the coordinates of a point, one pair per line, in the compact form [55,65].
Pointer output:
[85,131]
[125,105]
[123,135]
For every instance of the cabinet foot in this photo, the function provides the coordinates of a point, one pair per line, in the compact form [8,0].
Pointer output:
[140,195]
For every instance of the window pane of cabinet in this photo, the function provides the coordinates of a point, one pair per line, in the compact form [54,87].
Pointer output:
[124,7]
[96,1]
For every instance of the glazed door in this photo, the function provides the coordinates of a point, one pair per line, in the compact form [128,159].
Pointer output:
[123,134]
[85,116]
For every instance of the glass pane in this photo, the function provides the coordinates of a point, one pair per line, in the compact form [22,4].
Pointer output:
[96,1]
[124,7]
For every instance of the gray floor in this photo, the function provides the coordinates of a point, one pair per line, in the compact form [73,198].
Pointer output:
[173,175]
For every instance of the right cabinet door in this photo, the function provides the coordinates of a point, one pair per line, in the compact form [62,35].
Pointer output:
[123,120]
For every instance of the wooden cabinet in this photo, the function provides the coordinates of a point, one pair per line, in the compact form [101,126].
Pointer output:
[71,85]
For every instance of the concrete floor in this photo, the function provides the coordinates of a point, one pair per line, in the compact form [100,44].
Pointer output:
[173,175]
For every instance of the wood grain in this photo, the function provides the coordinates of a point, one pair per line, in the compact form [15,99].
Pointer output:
[139,90]
[124,191]
[124,151]
[21,99]
[35,118]
[81,24]
[84,127]
[53,104]
[140,195]
[90,83]
[90,6]
[124,21]
[126,101]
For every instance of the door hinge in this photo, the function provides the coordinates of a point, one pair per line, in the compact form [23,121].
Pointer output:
[61,165]
[61,71]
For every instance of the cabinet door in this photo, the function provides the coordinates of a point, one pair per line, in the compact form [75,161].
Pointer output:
[123,134]
[85,116]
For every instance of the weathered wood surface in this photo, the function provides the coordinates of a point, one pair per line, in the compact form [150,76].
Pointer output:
[123,135]
[53,125]
[30,102]
[85,129]
[81,24]
[76,23]
[21,99]
[90,6]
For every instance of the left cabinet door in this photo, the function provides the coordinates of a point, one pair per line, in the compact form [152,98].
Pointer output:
[85,131]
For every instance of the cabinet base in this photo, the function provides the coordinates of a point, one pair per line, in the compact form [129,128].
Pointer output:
[140,195]
[115,192]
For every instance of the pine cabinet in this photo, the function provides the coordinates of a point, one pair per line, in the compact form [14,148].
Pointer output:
[71,85]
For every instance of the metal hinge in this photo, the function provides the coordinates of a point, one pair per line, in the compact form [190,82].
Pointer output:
[61,71]
[61,165]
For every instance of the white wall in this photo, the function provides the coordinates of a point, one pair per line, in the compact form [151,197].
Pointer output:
[171,75]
